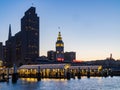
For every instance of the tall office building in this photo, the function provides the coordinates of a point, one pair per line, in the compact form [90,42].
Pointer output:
[1,51]
[23,48]
[10,49]
[30,35]
[59,48]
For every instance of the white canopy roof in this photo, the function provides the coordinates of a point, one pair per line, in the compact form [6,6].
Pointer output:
[44,66]
[58,66]
[85,67]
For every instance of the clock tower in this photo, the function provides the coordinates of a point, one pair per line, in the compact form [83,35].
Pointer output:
[59,48]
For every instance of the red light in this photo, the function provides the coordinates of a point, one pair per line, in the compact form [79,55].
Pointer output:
[60,59]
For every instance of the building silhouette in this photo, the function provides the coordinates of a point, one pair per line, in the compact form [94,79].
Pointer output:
[59,54]
[30,35]
[69,56]
[59,48]
[1,51]
[23,48]
[51,55]
[10,48]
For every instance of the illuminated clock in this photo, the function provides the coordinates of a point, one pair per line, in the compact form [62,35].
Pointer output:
[59,45]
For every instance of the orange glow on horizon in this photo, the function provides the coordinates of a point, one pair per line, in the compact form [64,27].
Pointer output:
[77,60]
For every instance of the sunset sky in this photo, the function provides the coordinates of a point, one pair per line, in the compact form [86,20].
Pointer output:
[91,28]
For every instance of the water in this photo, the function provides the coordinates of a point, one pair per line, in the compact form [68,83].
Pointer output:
[94,83]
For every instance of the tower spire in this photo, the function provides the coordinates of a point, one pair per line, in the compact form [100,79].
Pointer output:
[10,34]
[59,36]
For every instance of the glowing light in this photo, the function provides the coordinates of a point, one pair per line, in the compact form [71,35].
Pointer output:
[59,36]
[1,62]
[99,68]
[60,59]
[67,66]
[59,45]
[29,79]
[77,61]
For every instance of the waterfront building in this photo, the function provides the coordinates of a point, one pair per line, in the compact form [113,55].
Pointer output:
[59,54]
[23,48]
[56,70]
[1,51]
[51,55]
[59,48]
[69,56]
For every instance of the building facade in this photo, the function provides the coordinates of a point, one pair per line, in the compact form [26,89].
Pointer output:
[1,51]
[51,55]
[30,35]
[10,49]
[59,48]
[23,48]
[59,54]
[70,56]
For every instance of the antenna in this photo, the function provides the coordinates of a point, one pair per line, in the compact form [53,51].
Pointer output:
[59,28]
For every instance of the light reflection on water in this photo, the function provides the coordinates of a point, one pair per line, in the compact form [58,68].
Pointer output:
[93,83]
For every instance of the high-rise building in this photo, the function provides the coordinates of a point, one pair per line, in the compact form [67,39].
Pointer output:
[23,48]
[10,49]
[1,51]
[30,35]
[69,56]
[59,48]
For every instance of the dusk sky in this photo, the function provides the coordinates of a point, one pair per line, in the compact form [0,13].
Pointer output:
[91,28]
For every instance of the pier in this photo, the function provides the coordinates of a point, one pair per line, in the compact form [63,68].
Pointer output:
[57,71]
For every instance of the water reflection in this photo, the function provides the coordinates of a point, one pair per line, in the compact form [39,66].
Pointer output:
[94,83]
[29,79]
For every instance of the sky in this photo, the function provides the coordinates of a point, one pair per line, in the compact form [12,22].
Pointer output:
[91,28]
